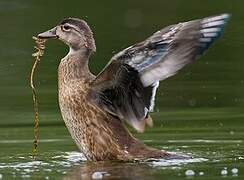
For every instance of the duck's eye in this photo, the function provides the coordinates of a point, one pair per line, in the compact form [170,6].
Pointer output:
[66,28]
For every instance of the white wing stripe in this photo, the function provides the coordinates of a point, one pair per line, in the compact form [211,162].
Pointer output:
[154,90]
[210,34]
[205,40]
[214,23]
[216,18]
[210,30]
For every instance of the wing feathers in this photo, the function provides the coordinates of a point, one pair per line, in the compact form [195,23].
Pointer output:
[126,88]
[186,43]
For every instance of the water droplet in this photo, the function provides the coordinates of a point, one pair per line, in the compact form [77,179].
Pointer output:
[234,171]
[97,175]
[201,173]
[189,172]
[224,172]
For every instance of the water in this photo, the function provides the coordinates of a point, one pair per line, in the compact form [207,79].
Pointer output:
[212,146]
[198,112]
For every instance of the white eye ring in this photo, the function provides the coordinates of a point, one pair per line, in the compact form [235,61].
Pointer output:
[66,28]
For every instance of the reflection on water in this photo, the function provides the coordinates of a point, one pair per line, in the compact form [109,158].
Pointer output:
[74,166]
[220,158]
[214,138]
[111,170]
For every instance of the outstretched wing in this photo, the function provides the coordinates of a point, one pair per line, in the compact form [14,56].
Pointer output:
[127,86]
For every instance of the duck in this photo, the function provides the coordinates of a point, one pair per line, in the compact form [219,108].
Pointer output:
[97,109]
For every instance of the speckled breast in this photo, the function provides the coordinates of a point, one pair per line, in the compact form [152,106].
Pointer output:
[75,109]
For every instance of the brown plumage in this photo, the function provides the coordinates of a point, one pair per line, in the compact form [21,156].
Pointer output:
[99,135]
[94,108]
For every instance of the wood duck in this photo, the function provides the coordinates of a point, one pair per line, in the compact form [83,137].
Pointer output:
[96,108]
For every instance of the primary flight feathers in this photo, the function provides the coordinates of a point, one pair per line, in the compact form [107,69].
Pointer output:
[127,86]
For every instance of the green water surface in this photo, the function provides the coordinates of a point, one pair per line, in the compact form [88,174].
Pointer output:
[199,112]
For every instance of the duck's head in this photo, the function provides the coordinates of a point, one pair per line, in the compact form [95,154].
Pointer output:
[74,32]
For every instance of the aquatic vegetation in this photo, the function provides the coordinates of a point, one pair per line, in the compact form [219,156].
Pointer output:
[40,46]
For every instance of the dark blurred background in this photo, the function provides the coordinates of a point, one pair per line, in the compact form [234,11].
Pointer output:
[214,82]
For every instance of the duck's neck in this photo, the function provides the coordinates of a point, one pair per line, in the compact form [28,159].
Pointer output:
[74,65]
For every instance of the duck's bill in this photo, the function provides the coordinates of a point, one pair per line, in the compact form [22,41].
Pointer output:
[50,34]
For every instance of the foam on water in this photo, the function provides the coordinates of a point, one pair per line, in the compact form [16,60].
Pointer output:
[205,141]
[72,156]
[29,164]
[22,166]
[63,161]
[176,162]
[69,159]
